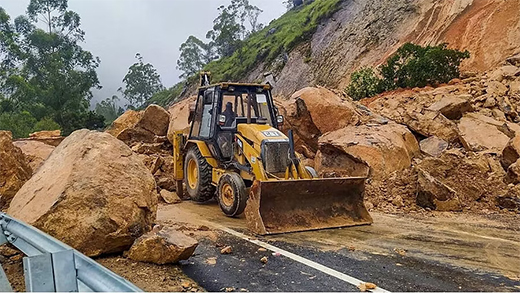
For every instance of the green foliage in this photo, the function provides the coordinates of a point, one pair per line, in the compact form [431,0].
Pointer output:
[20,124]
[411,66]
[195,54]
[268,44]
[416,66]
[141,82]
[364,83]
[109,109]
[46,124]
[45,75]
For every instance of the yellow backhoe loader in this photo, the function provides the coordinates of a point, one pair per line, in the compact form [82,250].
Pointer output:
[236,152]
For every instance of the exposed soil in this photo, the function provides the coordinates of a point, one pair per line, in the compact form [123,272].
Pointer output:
[151,277]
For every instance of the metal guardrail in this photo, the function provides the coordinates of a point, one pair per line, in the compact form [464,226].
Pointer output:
[52,266]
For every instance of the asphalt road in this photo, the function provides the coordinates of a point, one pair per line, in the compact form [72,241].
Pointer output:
[434,260]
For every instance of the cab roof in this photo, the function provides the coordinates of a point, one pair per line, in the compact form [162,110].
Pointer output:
[225,85]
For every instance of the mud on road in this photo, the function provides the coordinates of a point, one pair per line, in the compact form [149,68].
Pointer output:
[436,252]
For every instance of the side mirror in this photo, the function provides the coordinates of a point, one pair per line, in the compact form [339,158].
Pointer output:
[221,120]
[279,119]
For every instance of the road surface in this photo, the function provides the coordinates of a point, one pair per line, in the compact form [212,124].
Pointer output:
[443,252]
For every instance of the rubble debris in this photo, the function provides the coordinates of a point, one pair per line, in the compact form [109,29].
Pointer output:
[170,197]
[264,259]
[226,250]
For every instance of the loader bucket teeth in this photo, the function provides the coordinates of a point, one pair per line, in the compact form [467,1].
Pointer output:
[286,206]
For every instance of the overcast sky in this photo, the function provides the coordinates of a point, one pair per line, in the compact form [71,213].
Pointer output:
[117,29]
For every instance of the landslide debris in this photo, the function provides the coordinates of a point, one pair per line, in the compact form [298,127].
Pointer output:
[92,193]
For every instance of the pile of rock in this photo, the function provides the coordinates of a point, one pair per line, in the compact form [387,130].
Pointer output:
[145,133]
[451,148]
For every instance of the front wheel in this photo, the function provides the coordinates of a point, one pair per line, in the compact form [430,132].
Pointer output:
[197,174]
[232,194]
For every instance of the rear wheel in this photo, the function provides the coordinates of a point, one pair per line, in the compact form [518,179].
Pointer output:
[197,176]
[232,194]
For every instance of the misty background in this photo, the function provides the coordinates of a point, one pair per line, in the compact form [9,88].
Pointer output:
[118,29]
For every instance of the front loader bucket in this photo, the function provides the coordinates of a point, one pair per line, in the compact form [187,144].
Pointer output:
[300,205]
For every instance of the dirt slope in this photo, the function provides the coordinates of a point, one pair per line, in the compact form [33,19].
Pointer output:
[365,33]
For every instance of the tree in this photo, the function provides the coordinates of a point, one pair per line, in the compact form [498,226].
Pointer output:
[292,3]
[195,54]
[416,66]
[109,109]
[45,71]
[229,28]
[141,82]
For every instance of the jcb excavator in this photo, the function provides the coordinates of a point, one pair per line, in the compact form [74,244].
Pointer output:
[236,152]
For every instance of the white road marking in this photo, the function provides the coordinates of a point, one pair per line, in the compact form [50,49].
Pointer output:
[302,260]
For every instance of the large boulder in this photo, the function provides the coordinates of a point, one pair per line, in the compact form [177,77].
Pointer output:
[474,180]
[179,116]
[92,193]
[478,135]
[126,121]
[384,148]
[52,138]
[162,246]
[155,119]
[299,119]
[14,170]
[329,112]
[436,195]
[452,107]
[35,152]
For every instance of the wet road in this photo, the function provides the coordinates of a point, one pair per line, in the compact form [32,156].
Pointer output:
[444,253]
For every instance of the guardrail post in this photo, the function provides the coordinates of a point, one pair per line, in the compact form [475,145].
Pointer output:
[65,274]
[38,273]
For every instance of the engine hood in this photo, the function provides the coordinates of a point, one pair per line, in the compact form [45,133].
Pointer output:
[259,133]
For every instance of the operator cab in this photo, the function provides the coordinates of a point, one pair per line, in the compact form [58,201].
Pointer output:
[221,107]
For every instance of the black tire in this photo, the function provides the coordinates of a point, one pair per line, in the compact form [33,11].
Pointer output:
[202,190]
[235,204]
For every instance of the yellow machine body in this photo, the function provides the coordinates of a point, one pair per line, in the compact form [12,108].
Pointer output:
[287,200]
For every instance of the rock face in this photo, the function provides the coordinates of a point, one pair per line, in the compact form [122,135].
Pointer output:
[14,170]
[35,152]
[384,148]
[162,247]
[92,193]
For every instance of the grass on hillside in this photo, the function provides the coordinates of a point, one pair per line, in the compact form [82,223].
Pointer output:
[281,35]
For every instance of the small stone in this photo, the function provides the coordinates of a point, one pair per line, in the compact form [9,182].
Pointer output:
[226,250]
[351,248]
[264,259]
[229,289]
[261,249]
[363,287]
[400,251]
[170,197]
[186,285]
